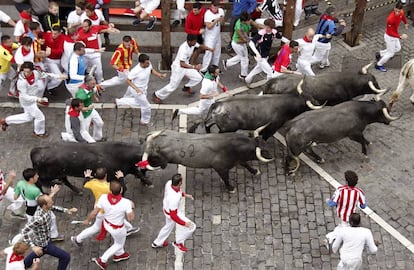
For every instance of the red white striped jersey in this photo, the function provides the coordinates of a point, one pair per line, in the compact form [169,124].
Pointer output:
[346,199]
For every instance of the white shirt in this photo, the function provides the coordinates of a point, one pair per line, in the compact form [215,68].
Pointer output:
[209,16]
[184,53]
[16,265]
[94,22]
[208,86]
[172,198]
[115,214]
[28,91]
[74,18]
[19,58]
[4,18]
[353,240]
[19,29]
[306,49]
[140,77]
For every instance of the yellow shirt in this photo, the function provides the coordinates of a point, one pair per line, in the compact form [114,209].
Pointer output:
[5,58]
[98,188]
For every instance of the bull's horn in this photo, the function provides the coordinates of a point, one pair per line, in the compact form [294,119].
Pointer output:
[299,87]
[154,135]
[148,167]
[314,107]
[364,69]
[258,130]
[260,157]
[293,171]
[388,116]
[376,90]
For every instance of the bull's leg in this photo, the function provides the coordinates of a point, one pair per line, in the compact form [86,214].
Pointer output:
[250,168]
[66,182]
[360,138]
[315,156]
[224,174]
[144,179]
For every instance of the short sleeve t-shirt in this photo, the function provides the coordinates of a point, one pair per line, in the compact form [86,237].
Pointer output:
[140,76]
[87,98]
[15,263]
[98,188]
[74,18]
[184,53]
[245,27]
[95,20]
[283,59]
[115,214]
[209,16]
[28,192]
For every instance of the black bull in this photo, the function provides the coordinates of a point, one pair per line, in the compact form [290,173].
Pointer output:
[331,87]
[64,159]
[218,151]
[348,119]
[249,112]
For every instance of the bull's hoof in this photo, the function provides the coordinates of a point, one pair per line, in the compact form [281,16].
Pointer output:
[258,172]
[231,189]
[147,183]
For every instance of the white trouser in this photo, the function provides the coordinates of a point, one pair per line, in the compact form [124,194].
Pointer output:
[241,57]
[177,74]
[98,123]
[30,112]
[211,57]
[261,65]
[354,264]
[53,66]
[298,13]
[392,46]
[119,237]
[331,236]
[68,135]
[95,59]
[181,12]
[181,235]
[202,108]
[322,52]
[73,88]
[11,76]
[17,206]
[120,79]
[304,66]
[133,99]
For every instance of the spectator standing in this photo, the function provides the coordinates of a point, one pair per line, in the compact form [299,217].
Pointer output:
[6,19]
[305,54]
[143,10]
[52,17]
[239,7]
[213,19]
[392,37]
[282,62]
[351,241]
[171,203]
[194,25]
[136,94]
[7,72]
[346,199]
[327,28]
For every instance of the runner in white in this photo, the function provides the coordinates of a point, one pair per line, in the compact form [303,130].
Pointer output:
[171,203]
[306,52]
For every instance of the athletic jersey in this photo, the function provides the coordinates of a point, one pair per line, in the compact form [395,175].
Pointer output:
[140,77]
[87,97]
[184,53]
[346,198]
[28,192]
[13,261]
[114,213]
[98,188]
[209,16]
[122,57]
[245,27]
[282,59]
[77,68]
[6,58]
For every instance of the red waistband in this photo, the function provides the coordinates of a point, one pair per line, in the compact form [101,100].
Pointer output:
[113,225]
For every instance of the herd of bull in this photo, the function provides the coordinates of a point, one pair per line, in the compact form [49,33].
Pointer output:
[306,110]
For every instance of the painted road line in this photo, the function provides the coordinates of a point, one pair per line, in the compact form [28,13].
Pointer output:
[368,211]
[179,255]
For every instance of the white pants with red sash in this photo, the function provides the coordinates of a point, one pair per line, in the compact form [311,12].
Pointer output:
[119,237]
[181,235]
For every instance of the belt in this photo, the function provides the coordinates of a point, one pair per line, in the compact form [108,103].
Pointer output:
[113,225]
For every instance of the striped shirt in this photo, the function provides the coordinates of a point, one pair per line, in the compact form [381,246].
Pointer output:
[345,199]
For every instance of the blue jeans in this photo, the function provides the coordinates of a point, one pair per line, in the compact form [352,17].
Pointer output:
[52,250]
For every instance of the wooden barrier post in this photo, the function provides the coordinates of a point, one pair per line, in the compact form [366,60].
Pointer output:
[166,56]
[288,18]
[353,37]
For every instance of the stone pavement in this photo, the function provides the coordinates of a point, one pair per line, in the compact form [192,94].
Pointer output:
[272,221]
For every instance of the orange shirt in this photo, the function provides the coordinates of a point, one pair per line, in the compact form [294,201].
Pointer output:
[122,57]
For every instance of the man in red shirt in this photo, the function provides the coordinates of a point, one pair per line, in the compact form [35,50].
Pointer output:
[280,66]
[392,37]
[194,25]
[89,34]
[54,40]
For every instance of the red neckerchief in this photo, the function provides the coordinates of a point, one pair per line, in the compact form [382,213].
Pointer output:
[31,79]
[327,17]
[72,112]
[93,17]
[114,199]
[8,48]
[24,51]
[85,86]
[176,189]
[15,258]
[306,39]
[212,11]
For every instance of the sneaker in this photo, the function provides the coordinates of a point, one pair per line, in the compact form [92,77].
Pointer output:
[44,135]
[99,263]
[103,139]
[321,66]
[58,238]
[153,245]
[156,99]
[136,22]
[174,115]
[225,65]
[175,23]
[74,242]
[381,68]
[377,56]
[3,123]
[121,257]
[241,77]
[149,124]
[180,246]
[13,95]
[151,23]
[188,90]
[133,230]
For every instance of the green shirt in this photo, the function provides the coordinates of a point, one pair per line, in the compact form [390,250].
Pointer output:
[87,98]
[29,192]
[245,27]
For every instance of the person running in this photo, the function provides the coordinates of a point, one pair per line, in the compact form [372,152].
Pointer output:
[282,61]
[171,202]
[17,206]
[143,9]
[72,123]
[306,57]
